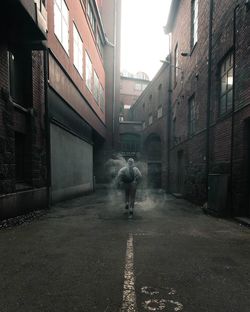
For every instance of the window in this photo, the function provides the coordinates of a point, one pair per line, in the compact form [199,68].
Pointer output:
[99,43]
[126,106]
[159,112]
[194,22]
[61,23]
[150,119]
[174,129]
[176,63]
[121,118]
[96,88]
[159,93]
[143,125]
[91,16]
[192,116]
[102,100]
[226,85]
[88,73]
[138,87]
[78,51]
[20,65]
[130,143]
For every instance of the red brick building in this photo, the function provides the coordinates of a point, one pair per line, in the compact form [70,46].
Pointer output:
[210,103]
[131,88]
[59,84]
[79,98]
[145,135]
[23,157]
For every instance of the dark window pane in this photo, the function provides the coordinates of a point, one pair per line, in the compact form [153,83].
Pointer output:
[223,103]
[229,100]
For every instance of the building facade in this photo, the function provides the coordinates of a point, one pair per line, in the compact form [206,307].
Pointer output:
[145,136]
[131,88]
[110,11]
[23,152]
[78,97]
[209,150]
[56,104]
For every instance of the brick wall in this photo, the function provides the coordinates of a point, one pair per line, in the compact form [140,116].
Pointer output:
[33,122]
[153,97]
[6,129]
[194,81]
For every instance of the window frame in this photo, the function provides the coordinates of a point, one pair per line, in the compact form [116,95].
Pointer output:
[150,119]
[96,90]
[91,16]
[191,116]
[176,63]
[60,36]
[194,23]
[102,98]
[77,42]
[159,111]
[88,72]
[99,42]
[228,90]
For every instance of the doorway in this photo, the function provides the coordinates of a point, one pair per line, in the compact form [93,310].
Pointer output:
[154,175]
[180,172]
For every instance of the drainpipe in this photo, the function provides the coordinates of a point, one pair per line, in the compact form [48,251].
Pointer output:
[209,81]
[169,114]
[233,108]
[114,73]
[47,125]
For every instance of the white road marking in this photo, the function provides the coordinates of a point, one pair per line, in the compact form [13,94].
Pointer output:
[162,304]
[129,296]
[149,291]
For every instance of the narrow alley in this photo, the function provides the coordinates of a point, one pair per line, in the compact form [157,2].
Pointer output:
[86,255]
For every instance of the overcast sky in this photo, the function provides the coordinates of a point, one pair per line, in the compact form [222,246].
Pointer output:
[144,43]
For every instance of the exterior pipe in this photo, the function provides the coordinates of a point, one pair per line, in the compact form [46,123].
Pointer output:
[114,73]
[209,80]
[47,125]
[233,110]
[169,110]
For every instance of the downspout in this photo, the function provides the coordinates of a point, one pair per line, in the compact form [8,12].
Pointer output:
[169,113]
[209,83]
[114,73]
[233,110]
[47,125]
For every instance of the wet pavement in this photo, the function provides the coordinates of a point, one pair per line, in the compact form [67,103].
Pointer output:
[85,255]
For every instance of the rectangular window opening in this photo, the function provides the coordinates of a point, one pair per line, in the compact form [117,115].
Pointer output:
[61,23]
[226,85]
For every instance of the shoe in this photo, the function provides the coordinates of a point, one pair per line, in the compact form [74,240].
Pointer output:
[130,215]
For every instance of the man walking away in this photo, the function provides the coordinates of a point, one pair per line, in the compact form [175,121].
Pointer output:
[129,177]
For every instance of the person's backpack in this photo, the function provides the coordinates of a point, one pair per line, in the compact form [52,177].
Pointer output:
[128,176]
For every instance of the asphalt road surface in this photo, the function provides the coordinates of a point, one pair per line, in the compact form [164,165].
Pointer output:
[85,255]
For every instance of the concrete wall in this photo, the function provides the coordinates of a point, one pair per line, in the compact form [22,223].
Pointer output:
[71,163]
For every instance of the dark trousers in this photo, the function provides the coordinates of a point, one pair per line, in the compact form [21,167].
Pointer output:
[130,191]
